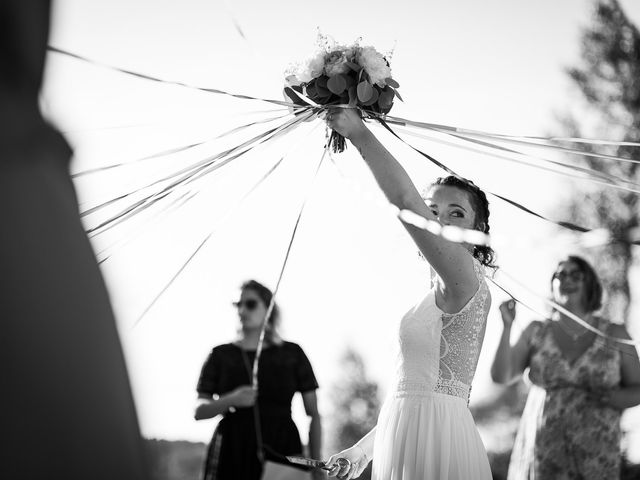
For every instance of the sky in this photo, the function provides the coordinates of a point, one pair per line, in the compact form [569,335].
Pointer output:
[497,65]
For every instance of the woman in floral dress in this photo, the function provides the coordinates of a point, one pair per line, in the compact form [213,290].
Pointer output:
[581,383]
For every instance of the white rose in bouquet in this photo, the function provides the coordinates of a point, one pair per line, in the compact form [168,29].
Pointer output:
[336,63]
[375,65]
[311,68]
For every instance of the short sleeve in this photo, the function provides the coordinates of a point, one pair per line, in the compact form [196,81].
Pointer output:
[536,334]
[208,383]
[305,378]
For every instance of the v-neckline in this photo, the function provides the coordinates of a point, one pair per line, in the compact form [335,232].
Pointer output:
[556,345]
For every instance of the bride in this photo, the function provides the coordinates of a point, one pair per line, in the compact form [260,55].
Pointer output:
[425,429]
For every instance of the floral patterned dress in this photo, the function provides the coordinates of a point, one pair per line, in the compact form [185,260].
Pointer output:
[563,433]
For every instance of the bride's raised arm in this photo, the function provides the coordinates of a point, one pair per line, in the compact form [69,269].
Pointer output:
[452,261]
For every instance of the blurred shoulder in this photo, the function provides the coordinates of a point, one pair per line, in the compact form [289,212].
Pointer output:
[290,346]
[223,349]
[619,330]
[533,329]
[536,324]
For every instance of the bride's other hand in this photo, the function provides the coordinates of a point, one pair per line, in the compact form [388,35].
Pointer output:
[357,459]
[346,121]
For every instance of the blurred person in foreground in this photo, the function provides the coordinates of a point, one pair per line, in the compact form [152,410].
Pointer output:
[66,409]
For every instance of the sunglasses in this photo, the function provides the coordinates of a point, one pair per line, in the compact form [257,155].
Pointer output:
[575,275]
[250,304]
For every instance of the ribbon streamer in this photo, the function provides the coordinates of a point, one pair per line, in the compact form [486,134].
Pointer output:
[576,168]
[622,350]
[171,151]
[518,140]
[567,225]
[271,306]
[522,140]
[208,236]
[192,168]
[255,369]
[449,232]
[199,247]
[190,175]
[168,82]
[184,199]
[566,312]
[106,253]
[408,216]
[587,171]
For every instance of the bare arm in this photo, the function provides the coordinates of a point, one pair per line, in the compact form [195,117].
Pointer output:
[510,361]
[628,395]
[359,455]
[208,407]
[452,261]
[310,401]
[366,443]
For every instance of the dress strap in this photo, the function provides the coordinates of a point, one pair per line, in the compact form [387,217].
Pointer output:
[478,268]
[604,325]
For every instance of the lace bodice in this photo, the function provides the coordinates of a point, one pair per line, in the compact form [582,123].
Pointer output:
[438,352]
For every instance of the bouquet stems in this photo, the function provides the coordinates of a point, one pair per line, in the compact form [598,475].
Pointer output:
[337,142]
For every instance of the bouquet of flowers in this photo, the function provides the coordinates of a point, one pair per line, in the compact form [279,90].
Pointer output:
[339,75]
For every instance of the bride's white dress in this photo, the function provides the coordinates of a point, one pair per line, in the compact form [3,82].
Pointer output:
[425,429]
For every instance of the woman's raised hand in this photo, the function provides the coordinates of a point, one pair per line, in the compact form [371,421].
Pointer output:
[508,312]
[346,121]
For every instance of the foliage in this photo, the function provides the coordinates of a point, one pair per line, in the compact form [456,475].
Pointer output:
[355,405]
[608,78]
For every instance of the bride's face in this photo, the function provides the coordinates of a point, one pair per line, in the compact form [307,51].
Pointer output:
[451,206]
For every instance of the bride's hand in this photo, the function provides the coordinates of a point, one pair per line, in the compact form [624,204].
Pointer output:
[357,462]
[346,121]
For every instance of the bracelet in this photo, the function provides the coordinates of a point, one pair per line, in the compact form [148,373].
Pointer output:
[364,454]
[230,408]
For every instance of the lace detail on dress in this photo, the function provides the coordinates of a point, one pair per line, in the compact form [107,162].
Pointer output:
[453,387]
[461,339]
[413,389]
[438,352]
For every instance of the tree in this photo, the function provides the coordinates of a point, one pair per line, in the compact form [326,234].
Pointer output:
[355,404]
[608,78]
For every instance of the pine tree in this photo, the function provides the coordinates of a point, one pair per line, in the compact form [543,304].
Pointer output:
[608,77]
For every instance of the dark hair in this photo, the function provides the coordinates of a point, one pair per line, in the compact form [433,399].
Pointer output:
[484,253]
[592,285]
[271,333]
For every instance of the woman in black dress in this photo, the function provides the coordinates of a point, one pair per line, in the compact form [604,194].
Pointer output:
[225,388]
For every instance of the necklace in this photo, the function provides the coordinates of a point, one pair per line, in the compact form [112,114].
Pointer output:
[574,335]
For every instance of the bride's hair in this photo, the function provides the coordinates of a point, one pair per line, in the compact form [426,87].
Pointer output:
[484,253]
[271,333]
